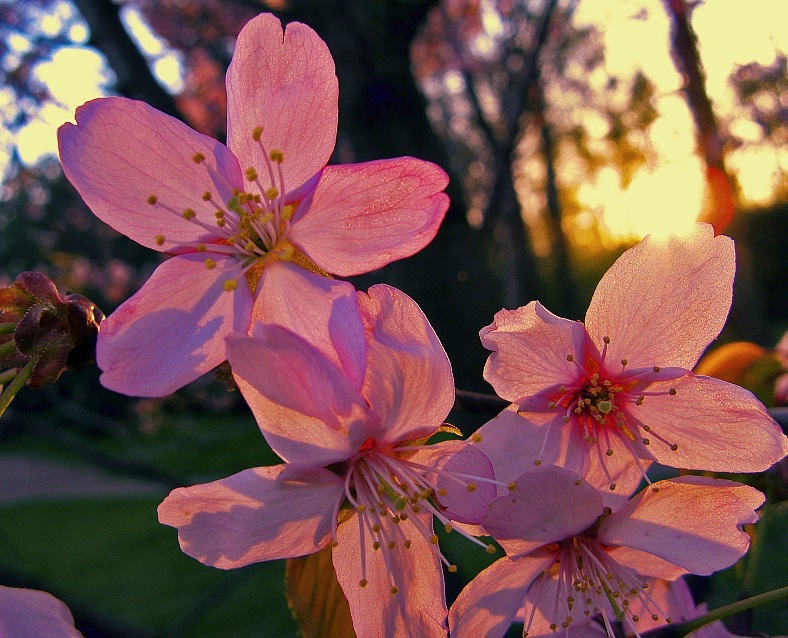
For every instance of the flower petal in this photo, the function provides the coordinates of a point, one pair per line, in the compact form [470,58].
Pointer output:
[663,302]
[645,564]
[409,383]
[284,82]
[122,151]
[364,216]
[466,500]
[259,514]
[530,347]
[549,504]
[489,603]
[718,426]
[307,409]
[693,522]
[172,329]
[28,613]
[321,310]
[419,607]
[546,438]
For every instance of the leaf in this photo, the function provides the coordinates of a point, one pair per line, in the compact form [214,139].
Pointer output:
[315,598]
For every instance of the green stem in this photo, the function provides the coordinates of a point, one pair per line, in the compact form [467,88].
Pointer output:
[9,347]
[16,385]
[688,627]
[7,376]
[7,327]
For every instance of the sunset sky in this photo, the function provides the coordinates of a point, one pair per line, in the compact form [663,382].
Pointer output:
[663,197]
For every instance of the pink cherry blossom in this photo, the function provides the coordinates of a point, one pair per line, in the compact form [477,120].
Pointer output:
[232,216]
[28,613]
[609,397]
[352,402]
[571,560]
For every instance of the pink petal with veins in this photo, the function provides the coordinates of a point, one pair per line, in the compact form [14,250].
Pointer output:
[122,151]
[693,522]
[258,514]
[172,330]
[664,301]
[530,347]
[417,609]
[364,216]
[285,83]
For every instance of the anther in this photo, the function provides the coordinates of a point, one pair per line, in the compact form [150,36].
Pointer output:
[674,447]
[609,452]
[362,582]
[491,549]
[159,240]
[551,405]
[453,569]
[152,200]
[606,339]
[657,368]
[640,400]
[256,133]
[570,358]
[230,284]
[376,545]
[394,590]
[605,406]
[210,264]
[434,539]
[407,544]
[272,193]
[201,248]
[471,487]
[189,214]
[476,438]
[448,527]
[198,157]
[277,156]
[206,196]
[392,544]
[537,462]
[376,528]
[655,489]
[624,362]
[566,419]
[512,486]
[442,491]
[612,487]
[646,441]
[251,174]
[673,392]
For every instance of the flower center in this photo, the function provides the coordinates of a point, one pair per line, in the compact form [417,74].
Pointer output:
[604,405]
[384,487]
[590,582]
[252,225]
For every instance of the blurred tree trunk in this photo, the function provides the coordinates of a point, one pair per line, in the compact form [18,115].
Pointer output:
[720,187]
[134,77]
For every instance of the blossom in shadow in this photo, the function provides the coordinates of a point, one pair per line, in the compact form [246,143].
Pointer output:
[354,399]
[575,567]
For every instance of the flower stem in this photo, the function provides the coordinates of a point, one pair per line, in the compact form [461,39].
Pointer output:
[7,348]
[688,627]
[7,327]
[16,385]
[7,376]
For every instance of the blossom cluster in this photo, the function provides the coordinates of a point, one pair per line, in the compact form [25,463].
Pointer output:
[349,387]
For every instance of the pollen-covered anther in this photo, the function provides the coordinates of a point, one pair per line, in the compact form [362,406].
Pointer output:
[251,174]
[159,239]
[657,369]
[376,545]
[230,285]
[570,358]
[452,569]
[673,392]
[189,213]
[394,590]
[491,549]
[471,487]
[448,528]
[674,447]
[206,196]
[210,264]
[476,438]
[434,539]
[512,486]
[407,544]
[198,157]
[152,200]
[257,133]
[277,156]
[201,248]
[363,582]
[272,193]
